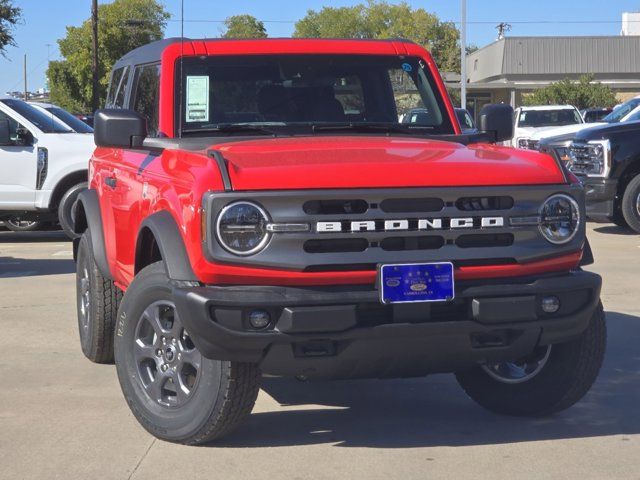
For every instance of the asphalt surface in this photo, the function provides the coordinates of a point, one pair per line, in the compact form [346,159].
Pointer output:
[64,417]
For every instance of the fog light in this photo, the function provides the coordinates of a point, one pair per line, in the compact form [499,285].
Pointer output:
[259,319]
[550,304]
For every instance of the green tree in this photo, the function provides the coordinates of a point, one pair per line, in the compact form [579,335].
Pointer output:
[122,26]
[585,93]
[379,19]
[9,17]
[244,26]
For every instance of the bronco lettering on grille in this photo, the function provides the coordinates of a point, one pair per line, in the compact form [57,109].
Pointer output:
[409,224]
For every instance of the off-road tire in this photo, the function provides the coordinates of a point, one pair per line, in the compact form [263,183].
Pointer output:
[630,207]
[97,331]
[66,209]
[222,398]
[567,376]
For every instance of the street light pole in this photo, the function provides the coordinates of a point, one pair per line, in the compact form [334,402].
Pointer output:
[95,100]
[463,56]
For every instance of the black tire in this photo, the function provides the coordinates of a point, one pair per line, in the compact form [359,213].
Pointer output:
[98,299]
[619,221]
[631,204]
[221,394]
[564,379]
[15,224]
[66,209]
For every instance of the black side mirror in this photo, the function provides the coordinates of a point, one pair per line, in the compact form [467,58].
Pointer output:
[24,137]
[497,120]
[114,127]
[5,133]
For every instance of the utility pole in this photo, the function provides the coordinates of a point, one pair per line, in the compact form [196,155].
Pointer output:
[95,100]
[502,29]
[24,72]
[463,56]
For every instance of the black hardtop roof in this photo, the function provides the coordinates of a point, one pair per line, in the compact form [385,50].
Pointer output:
[152,52]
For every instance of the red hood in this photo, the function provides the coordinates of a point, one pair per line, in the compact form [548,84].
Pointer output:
[369,162]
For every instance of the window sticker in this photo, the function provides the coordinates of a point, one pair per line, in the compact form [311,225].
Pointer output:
[197,98]
[407,67]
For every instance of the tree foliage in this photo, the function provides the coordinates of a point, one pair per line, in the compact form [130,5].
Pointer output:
[123,25]
[378,19]
[585,93]
[244,26]
[9,17]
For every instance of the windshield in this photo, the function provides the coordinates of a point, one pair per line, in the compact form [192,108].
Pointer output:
[549,118]
[622,111]
[74,122]
[288,91]
[46,123]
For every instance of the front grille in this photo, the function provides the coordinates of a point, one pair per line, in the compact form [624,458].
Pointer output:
[369,227]
[529,144]
[469,204]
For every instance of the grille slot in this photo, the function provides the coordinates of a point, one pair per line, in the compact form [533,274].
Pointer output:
[398,244]
[336,245]
[411,205]
[481,240]
[474,204]
[335,207]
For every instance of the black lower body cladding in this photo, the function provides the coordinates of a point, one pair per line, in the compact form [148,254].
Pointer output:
[600,195]
[346,333]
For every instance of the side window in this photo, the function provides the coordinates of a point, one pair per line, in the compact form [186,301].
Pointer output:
[147,94]
[122,89]
[116,78]
[13,125]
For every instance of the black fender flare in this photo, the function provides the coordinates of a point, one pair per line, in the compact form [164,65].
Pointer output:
[89,217]
[172,249]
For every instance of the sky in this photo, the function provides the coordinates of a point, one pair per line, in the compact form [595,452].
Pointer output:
[44,22]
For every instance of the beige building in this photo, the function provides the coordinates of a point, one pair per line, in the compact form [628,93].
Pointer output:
[504,70]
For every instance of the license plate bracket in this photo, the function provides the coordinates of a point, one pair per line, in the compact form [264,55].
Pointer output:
[416,282]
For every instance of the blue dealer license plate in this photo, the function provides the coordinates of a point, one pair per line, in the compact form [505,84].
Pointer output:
[406,283]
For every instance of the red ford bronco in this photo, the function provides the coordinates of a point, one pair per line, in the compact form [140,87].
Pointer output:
[310,208]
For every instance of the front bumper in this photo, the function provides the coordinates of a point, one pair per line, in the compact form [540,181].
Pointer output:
[600,196]
[347,333]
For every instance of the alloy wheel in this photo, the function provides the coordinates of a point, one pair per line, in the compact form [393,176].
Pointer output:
[522,370]
[167,361]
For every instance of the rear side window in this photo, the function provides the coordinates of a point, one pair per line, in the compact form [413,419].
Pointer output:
[118,88]
[146,100]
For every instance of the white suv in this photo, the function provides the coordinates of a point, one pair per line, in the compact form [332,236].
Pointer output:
[533,120]
[43,167]
[65,117]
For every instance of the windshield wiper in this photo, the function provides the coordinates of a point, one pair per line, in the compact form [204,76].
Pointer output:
[370,127]
[232,128]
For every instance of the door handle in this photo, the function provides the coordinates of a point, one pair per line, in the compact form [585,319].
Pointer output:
[111,182]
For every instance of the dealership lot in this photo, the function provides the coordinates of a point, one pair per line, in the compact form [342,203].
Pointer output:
[63,417]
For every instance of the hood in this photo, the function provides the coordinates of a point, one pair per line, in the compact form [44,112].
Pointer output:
[605,130]
[565,130]
[376,162]
[67,147]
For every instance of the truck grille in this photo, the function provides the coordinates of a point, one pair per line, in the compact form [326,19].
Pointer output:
[468,225]
[529,144]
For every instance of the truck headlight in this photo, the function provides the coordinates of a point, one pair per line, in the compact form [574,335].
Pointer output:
[241,228]
[559,219]
[592,159]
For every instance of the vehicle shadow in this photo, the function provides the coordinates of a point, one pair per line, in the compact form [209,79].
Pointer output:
[435,412]
[615,230]
[8,236]
[11,267]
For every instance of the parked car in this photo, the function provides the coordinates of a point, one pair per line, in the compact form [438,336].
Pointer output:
[593,115]
[43,167]
[318,236]
[467,124]
[621,113]
[88,119]
[606,159]
[531,120]
[73,122]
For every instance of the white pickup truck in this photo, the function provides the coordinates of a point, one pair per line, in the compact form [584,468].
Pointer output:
[43,167]
[529,121]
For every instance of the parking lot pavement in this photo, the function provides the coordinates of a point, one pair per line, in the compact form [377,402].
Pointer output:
[63,417]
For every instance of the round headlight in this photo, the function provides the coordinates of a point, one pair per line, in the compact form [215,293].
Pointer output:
[559,219]
[241,228]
